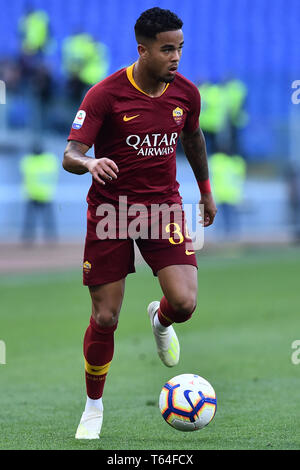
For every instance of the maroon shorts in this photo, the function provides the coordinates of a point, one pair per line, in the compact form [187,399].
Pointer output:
[164,242]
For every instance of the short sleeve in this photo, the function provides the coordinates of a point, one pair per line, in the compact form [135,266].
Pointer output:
[90,116]
[192,120]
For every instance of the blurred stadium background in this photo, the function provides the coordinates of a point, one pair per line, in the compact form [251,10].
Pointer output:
[253,41]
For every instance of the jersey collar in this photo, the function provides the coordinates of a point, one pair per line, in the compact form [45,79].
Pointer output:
[129,72]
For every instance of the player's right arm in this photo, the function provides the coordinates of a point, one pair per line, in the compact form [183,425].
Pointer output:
[76,161]
[88,121]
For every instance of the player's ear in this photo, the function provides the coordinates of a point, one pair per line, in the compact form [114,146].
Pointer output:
[142,50]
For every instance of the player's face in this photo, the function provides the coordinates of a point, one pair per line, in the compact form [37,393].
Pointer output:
[163,55]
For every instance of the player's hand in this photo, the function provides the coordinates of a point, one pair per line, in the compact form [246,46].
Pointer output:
[208,212]
[102,169]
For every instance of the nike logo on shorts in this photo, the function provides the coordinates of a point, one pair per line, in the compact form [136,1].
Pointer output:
[188,253]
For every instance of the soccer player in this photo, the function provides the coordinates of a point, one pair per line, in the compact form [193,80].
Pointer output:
[134,118]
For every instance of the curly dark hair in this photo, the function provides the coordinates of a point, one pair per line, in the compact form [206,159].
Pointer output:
[154,21]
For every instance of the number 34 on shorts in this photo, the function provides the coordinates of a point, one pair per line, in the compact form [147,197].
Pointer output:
[177,237]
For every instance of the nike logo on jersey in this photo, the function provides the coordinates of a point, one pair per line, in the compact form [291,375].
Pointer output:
[125,118]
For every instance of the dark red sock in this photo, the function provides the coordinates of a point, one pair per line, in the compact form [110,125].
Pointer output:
[167,315]
[165,312]
[98,349]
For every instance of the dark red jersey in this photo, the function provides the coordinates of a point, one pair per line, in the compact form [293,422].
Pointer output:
[139,133]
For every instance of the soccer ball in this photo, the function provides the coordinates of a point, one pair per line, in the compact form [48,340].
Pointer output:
[188,402]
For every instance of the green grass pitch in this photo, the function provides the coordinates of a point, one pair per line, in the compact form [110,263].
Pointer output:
[239,339]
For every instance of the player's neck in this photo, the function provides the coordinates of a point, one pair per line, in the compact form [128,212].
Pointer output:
[152,87]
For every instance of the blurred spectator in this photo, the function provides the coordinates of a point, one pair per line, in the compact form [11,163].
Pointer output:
[40,174]
[35,32]
[41,93]
[222,113]
[37,80]
[213,113]
[235,94]
[228,173]
[85,62]
[35,35]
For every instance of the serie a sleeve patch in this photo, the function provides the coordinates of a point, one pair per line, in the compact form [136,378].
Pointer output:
[79,119]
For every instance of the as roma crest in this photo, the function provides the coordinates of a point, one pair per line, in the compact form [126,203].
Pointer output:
[86,267]
[177,115]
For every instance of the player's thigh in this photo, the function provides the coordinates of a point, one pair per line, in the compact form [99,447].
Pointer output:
[107,302]
[106,259]
[179,284]
[106,265]
[172,258]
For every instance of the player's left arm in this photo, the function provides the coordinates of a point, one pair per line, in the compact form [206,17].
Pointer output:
[194,147]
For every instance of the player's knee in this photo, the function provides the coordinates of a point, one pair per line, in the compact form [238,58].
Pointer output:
[184,309]
[105,317]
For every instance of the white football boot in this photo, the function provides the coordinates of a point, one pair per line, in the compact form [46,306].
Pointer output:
[90,424]
[166,340]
